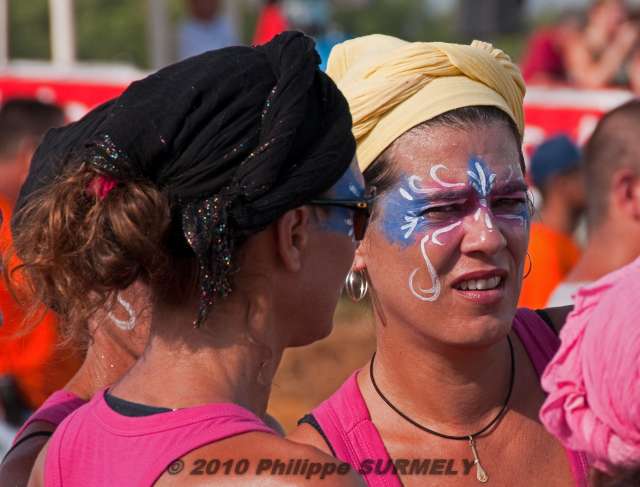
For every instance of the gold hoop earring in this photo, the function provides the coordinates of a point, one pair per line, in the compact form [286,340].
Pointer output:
[356,285]
[530,267]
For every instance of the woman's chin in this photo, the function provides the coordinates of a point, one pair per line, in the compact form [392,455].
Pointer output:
[480,331]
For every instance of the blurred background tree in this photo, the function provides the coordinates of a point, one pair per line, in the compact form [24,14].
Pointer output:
[115,30]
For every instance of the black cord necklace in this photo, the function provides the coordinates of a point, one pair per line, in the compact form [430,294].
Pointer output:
[481,474]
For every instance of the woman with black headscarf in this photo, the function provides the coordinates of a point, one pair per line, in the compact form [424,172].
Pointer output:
[227,183]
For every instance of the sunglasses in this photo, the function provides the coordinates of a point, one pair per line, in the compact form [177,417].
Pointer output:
[361,210]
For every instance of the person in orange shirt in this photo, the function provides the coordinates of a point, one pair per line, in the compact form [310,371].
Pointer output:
[31,365]
[556,172]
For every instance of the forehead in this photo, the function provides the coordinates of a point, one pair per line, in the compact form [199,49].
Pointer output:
[422,148]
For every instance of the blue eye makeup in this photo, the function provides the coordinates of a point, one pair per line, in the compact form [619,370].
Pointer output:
[348,187]
[406,213]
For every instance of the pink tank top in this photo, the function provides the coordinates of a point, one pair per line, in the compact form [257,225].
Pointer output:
[347,427]
[97,446]
[57,407]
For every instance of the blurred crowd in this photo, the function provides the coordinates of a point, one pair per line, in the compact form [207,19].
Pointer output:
[586,223]
[598,48]
[208,26]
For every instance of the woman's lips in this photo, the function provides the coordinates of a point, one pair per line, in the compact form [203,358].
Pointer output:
[481,287]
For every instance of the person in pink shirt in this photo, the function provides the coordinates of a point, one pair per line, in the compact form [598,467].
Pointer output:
[226,183]
[117,339]
[593,402]
[451,395]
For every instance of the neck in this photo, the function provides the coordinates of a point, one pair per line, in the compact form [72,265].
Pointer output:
[559,217]
[609,248]
[470,385]
[105,362]
[229,359]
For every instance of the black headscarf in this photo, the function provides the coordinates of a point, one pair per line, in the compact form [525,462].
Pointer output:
[234,137]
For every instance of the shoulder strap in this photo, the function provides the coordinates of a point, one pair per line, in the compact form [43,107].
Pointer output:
[336,417]
[313,422]
[25,438]
[345,421]
[547,319]
[538,339]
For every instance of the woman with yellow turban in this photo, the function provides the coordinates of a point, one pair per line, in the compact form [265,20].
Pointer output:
[452,393]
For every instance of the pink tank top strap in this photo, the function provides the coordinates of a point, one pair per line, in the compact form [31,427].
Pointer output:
[347,426]
[538,339]
[541,344]
[57,407]
[98,446]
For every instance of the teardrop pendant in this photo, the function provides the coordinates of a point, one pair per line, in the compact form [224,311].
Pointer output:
[481,475]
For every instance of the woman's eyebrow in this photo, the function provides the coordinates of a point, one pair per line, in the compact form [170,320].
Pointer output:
[444,194]
[511,187]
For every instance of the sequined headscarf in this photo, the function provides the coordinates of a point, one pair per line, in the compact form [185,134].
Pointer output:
[234,137]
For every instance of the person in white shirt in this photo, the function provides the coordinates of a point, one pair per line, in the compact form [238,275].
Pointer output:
[205,28]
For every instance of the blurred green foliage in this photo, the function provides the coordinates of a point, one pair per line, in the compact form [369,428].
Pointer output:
[115,30]
[28,29]
[408,19]
[106,30]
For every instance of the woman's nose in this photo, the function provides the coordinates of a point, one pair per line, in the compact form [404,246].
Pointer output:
[482,234]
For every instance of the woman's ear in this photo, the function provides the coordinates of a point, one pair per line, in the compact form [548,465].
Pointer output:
[292,237]
[625,189]
[360,259]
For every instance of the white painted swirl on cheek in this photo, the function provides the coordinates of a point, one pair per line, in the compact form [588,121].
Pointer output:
[437,233]
[433,293]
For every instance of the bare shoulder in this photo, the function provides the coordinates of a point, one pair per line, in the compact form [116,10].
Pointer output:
[258,459]
[18,463]
[37,473]
[308,435]
[558,316]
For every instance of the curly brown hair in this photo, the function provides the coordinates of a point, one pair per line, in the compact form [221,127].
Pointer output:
[78,248]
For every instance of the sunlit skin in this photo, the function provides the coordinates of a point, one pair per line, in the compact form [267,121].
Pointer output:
[442,356]
[285,292]
[469,231]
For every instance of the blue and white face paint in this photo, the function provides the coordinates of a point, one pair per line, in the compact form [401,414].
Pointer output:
[349,187]
[433,209]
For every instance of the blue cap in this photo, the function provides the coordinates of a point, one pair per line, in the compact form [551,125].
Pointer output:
[556,155]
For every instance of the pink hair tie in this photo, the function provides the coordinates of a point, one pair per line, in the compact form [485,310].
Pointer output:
[101,186]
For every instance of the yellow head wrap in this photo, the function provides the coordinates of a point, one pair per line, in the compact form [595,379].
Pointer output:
[393,85]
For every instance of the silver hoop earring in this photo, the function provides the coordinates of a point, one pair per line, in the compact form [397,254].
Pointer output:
[356,285]
[126,325]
